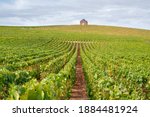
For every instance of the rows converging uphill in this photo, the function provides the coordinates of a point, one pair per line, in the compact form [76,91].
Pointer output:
[74,62]
[46,76]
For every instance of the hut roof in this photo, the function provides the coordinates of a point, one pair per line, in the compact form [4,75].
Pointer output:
[83,20]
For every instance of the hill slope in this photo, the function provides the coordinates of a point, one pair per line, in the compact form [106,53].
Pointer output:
[40,62]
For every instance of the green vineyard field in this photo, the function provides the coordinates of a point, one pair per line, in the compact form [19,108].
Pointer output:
[39,63]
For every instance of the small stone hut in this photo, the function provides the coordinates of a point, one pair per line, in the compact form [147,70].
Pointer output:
[83,22]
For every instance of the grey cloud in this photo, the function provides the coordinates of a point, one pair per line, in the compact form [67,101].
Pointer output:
[131,13]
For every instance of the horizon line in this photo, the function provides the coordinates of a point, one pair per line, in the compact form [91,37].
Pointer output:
[52,25]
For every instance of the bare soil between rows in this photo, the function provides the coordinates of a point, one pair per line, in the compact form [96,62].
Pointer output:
[79,89]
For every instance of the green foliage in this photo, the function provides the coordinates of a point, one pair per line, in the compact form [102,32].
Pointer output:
[39,62]
[116,71]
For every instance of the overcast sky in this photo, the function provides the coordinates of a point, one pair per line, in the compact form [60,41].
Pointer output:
[129,13]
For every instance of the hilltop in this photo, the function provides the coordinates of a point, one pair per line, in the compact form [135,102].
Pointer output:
[76,32]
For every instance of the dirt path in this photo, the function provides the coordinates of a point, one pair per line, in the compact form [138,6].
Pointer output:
[79,88]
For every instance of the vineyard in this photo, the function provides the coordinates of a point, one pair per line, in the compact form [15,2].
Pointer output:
[74,62]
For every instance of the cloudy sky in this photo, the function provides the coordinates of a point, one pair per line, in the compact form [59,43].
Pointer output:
[129,13]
